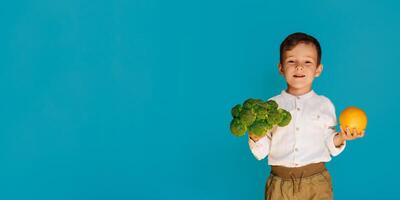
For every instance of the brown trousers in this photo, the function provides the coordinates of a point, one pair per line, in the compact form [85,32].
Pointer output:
[310,182]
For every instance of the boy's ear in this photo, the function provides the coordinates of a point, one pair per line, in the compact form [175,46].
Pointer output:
[319,70]
[280,68]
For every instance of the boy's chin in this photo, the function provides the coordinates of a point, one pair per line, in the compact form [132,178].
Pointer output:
[298,86]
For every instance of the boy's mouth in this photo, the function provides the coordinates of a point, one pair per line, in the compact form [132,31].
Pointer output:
[299,76]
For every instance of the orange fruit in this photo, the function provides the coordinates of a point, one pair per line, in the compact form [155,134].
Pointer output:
[353,117]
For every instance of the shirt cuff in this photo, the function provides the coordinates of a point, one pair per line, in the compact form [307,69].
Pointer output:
[331,145]
[260,143]
[260,149]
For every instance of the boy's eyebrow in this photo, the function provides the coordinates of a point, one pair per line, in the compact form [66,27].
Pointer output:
[294,57]
[310,57]
[289,57]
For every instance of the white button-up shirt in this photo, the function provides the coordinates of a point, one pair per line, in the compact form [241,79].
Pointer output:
[308,138]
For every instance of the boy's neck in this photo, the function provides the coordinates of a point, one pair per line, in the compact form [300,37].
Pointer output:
[298,92]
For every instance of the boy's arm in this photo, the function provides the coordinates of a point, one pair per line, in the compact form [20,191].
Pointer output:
[334,141]
[338,140]
[345,134]
[260,146]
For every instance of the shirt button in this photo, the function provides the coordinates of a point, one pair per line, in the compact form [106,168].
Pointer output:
[296,149]
[297,128]
[298,109]
[298,97]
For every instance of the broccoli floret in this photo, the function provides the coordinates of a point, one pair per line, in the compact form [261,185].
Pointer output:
[249,103]
[236,110]
[263,104]
[272,105]
[237,127]
[260,111]
[247,116]
[286,117]
[274,117]
[259,127]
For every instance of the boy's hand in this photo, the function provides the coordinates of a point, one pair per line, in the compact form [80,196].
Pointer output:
[347,134]
[254,137]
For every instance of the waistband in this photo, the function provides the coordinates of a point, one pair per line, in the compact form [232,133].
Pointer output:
[298,172]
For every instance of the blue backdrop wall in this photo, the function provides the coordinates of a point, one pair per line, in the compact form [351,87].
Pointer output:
[131,99]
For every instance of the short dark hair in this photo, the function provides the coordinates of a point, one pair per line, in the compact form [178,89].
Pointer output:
[295,38]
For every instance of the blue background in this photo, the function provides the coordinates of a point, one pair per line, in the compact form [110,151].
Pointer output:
[131,99]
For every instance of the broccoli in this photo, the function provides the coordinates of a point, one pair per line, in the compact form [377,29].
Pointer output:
[286,117]
[236,110]
[272,105]
[259,127]
[260,111]
[249,103]
[247,116]
[275,117]
[237,127]
[258,117]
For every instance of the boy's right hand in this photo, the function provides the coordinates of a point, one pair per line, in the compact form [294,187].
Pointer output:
[254,137]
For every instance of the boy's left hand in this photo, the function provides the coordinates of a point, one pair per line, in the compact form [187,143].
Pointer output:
[347,134]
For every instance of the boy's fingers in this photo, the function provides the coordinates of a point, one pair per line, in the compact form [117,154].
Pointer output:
[359,134]
[348,134]
[362,133]
[343,134]
[341,129]
[355,132]
[253,136]
[352,134]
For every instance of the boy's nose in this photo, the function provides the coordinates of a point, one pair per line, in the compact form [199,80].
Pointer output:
[299,67]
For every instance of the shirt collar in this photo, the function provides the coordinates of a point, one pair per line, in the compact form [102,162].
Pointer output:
[300,97]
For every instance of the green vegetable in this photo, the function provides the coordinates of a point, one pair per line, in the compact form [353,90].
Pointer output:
[286,117]
[247,116]
[261,112]
[236,110]
[257,117]
[237,127]
[260,127]
[249,103]
[275,117]
[272,105]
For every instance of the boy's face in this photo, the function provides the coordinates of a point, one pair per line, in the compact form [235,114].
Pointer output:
[299,66]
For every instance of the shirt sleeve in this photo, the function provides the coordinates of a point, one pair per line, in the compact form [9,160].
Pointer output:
[260,149]
[331,132]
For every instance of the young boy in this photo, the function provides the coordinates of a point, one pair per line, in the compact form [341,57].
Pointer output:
[297,152]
